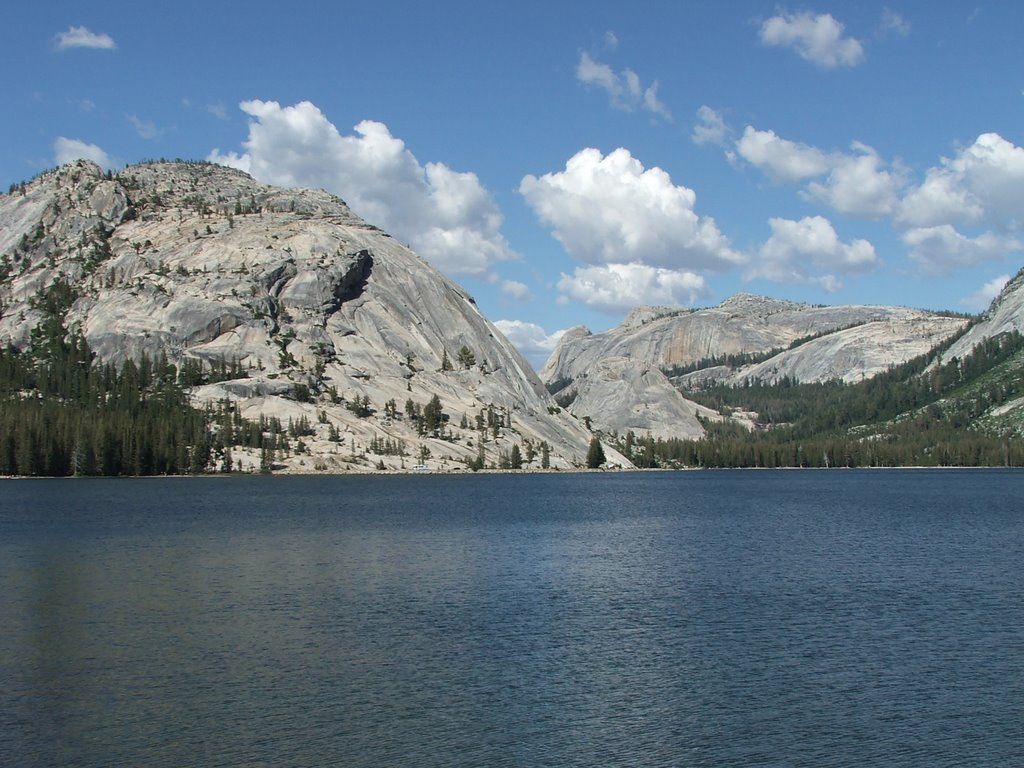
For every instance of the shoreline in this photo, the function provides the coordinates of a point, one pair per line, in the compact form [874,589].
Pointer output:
[522,472]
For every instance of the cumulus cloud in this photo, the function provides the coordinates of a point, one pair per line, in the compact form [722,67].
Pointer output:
[809,251]
[816,38]
[624,89]
[448,217]
[530,339]
[858,184]
[81,37]
[993,170]
[979,187]
[636,232]
[942,249]
[983,182]
[780,159]
[980,300]
[610,210]
[710,127]
[940,198]
[66,150]
[614,288]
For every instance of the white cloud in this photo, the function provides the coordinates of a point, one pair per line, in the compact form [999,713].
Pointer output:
[942,249]
[66,150]
[516,290]
[710,127]
[858,184]
[592,72]
[614,288]
[800,251]
[448,217]
[611,40]
[940,198]
[610,210]
[816,38]
[144,129]
[530,339]
[983,182]
[993,170]
[624,90]
[217,110]
[982,298]
[981,185]
[635,231]
[81,37]
[779,159]
[893,22]
[653,104]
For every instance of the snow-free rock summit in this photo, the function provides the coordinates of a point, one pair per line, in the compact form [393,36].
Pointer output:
[313,309]
[665,352]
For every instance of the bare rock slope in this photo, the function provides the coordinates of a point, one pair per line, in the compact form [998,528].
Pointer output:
[1004,315]
[318,308]
[811,343]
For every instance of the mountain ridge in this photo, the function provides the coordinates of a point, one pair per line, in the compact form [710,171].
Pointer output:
[799,342]
[319,309]
[288,306]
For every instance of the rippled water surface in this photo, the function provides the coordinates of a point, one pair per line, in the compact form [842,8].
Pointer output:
[832,618]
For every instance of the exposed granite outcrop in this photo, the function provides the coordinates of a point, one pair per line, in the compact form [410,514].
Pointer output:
[838,342]
[618,397]
[1005,314]
[202,262]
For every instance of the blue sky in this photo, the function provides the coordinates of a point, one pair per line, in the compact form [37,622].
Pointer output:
[566,162]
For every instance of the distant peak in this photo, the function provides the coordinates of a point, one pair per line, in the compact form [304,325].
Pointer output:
[750,301]
[576,332]
[1016,283]
[643,315]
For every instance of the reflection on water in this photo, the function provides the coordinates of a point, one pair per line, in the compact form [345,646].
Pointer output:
[708,618]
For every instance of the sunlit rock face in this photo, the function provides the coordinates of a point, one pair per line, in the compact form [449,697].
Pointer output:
[313,305]
[618,397]
[811,343]
[1005,314]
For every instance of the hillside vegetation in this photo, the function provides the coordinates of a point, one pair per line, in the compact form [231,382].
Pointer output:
[64,413]
[182,318]
[275,306]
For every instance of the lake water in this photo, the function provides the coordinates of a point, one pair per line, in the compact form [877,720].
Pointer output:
[747,618]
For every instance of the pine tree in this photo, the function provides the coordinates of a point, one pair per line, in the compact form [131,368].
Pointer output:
[433,416]
[466,358]
[266,459]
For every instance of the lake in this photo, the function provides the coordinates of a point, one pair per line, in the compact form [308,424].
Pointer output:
[709,618]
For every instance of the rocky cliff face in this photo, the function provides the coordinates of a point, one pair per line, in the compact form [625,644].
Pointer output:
[842,342]
[848,354]
[1005,314]
[618,396]
[315,306]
